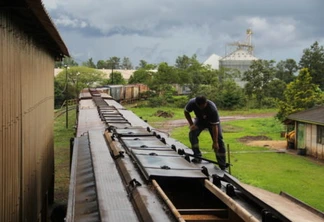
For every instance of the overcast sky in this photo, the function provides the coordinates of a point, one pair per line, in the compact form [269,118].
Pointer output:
[161,30]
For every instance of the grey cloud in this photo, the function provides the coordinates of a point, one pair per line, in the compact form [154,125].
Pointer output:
[156,30]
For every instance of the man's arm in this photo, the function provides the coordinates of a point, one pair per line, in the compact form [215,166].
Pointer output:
[188,117]
[215,136]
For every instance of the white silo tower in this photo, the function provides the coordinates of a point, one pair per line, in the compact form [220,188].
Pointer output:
[241,58]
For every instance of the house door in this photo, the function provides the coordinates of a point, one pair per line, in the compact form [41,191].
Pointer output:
[301,136]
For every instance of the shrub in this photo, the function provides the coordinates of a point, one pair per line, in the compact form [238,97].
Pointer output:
[156,102]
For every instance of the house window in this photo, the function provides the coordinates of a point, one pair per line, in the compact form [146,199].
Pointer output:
[320,134]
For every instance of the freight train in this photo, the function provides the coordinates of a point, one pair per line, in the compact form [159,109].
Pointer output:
[125,93]
[133,92]
[122,169]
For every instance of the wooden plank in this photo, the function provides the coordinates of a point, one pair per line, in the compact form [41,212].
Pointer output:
[173,209]
[240,211]
[203,217]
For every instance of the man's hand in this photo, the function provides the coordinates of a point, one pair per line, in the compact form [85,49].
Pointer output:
[193,127]
[215,146]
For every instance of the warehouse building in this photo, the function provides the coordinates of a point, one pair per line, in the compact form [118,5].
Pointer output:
[30,44]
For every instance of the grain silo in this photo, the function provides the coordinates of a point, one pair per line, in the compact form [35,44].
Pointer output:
[241,58]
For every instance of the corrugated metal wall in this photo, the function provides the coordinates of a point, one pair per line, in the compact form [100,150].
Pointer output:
[26,121]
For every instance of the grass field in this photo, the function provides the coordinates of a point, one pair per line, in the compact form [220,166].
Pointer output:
[62,137]
[293,174]
[296,175]
[273,171]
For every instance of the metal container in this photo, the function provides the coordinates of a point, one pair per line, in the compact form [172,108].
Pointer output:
[117,92]
[128,90]
[142,89]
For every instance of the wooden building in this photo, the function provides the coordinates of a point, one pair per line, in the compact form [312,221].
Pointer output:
[309,128]
[29,46]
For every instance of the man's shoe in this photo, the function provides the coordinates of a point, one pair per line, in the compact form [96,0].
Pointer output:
[196,160]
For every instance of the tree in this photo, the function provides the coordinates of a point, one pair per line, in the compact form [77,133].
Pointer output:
[275,89]
[113,62]
[102,64]
[286,69]
[142,64]
[166,74]
[299,95]
[66,61]
[195,72]
[141,76]
[78,78]
[225,74]
[259,75]
[231,96]
[161,80]
[89,64]
[191,72]
[228,94]
[220,87]
[115,78]
[313,60]
[59,93]
[183,62]
[126,64]
[291,67]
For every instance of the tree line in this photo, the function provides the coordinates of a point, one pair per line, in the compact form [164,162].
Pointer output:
[286,85]
[111,63]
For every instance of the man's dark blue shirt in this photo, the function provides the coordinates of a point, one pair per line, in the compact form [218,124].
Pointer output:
[208,115]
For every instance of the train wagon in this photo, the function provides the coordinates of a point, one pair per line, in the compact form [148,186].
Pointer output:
[125,93]
[123,169]
[131,93]
[117,92]
[142,89]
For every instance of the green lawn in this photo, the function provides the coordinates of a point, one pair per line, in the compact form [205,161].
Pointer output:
[62,137]
[293,174]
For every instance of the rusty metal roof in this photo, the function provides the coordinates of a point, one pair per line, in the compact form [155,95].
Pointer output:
[32,18]
[314,115]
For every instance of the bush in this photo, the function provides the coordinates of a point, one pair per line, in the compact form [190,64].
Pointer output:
[269,102]
[181,102]
[230,101]
[156,102]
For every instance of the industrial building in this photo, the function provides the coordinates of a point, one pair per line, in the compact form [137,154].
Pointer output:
[30,45]
[240,58]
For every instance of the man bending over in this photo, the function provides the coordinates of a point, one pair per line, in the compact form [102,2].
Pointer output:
[206,117]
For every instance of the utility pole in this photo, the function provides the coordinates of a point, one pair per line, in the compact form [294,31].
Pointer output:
[112,72]
[66,98]
[76,86]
